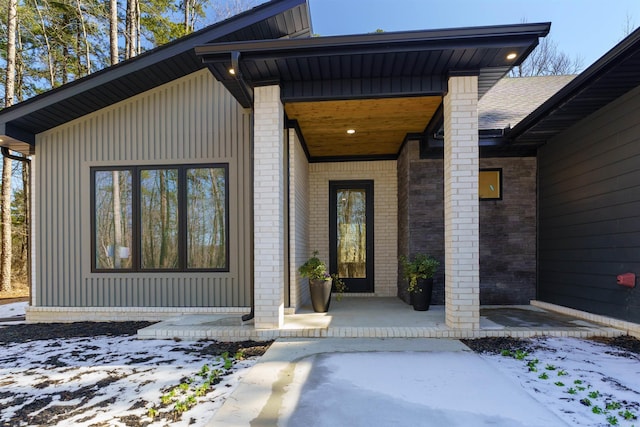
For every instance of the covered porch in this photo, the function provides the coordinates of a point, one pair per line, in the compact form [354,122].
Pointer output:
[347,108]
[383,317]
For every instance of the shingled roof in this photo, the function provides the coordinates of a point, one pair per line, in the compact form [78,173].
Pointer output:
[514,98]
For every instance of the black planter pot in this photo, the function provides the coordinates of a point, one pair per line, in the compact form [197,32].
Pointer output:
[320,291]
[421,297]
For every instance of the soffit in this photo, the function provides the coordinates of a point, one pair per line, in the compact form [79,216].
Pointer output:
[274,19]
[381,125]
[371,65]
[610,77]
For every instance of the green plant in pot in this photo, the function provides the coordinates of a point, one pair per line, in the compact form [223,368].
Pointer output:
[320,283]
[419,272]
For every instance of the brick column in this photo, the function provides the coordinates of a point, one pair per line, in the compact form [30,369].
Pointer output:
[461,234]
[268,208]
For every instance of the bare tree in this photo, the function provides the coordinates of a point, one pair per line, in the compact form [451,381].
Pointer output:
[628,25]
[83,26]
[547,60]
[225,9]
[9,93]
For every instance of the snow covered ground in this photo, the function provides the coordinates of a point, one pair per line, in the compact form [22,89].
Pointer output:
[113,381]
[583,382]
[12,310]
[117,381]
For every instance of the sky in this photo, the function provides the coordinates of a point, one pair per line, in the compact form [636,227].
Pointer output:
[580,28]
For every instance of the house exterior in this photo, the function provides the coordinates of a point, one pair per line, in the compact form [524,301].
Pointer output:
[198,176]
[588,186]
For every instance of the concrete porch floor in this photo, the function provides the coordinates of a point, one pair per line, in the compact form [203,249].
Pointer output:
[375,317]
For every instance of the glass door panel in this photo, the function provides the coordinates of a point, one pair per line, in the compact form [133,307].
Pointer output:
[351,233]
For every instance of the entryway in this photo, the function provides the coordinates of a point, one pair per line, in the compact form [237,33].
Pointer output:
[351,233]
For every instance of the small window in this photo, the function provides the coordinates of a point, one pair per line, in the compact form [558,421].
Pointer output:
[160,218]
[490,184]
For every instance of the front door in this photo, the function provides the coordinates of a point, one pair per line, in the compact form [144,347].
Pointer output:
[351,233]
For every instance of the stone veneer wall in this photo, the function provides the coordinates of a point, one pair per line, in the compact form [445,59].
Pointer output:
[385,176]
[421,212]
[507,226]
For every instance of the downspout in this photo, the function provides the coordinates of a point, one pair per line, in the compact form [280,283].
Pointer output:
[27,163]
[251,314]
[235,66]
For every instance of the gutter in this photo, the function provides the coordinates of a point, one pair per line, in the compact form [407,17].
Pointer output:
[576,86]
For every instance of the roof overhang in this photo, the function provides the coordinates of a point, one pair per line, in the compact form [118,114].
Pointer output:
[387,86]
[415,63]
[614,74]
[19,124]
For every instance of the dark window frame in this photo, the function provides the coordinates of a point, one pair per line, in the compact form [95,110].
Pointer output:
[499,173]
[136,218]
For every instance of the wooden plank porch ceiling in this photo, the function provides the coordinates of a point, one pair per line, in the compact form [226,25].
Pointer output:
[380,124]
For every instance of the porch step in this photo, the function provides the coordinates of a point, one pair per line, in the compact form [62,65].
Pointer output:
[248,332]
[380,318]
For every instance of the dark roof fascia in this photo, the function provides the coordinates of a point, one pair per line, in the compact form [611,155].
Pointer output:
[577,85]
[371,43]
[149,58]
[293,124]
[359,158]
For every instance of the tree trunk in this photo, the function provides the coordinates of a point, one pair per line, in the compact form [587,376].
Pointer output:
[7,250]
[10,78]
[26,194]
[132,35]
[87,49]
[113,31]
[50,67]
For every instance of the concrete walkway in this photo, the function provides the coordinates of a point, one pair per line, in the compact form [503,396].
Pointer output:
[271,394]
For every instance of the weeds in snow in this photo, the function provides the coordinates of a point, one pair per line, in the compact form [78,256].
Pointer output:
[600,404]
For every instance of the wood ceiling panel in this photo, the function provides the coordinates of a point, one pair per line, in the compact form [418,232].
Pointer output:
[380,124]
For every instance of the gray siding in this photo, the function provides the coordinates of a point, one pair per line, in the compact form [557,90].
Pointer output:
[589,208]
[190,120]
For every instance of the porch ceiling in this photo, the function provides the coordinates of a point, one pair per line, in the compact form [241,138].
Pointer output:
[380,125]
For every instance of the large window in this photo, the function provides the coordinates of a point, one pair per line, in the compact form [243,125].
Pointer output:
[160,218]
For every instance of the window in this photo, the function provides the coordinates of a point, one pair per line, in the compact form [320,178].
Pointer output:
[160,218]
[490,184]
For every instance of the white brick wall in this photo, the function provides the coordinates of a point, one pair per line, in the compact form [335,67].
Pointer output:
[298,220]
[268,208]
[385,187]
[462,271]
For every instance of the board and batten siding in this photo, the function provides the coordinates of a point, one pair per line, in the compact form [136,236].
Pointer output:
[188,121]
[589,212]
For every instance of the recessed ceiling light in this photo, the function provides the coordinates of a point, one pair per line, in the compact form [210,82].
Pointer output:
[351,131]
[232,71]
[511,56]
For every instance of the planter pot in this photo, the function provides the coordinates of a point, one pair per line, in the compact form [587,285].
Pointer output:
[320,291]
[421,298]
